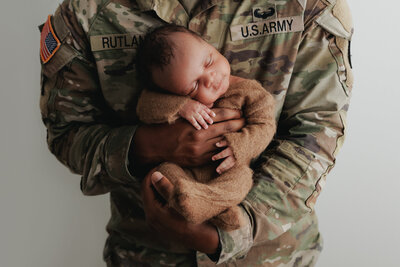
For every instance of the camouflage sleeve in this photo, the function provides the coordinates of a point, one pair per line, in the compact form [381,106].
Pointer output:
[81,129]
[292,171]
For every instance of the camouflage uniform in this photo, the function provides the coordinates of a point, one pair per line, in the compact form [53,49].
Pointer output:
[297,49]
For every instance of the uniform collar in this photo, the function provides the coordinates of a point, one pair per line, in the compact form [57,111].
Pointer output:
[204,5]
[172,11]
[145,5]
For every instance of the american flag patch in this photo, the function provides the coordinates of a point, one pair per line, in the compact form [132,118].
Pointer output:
[49,43]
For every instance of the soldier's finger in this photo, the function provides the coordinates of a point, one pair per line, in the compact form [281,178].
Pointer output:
[223,154]
[218,129]
[210,148]
[162,185]
[222,143]
[148,195]
[228,163]
[224,114]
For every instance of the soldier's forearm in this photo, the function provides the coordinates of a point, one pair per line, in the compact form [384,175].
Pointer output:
[144,148]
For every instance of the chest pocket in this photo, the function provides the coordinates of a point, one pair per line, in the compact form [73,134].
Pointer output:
[116,70]
[114,38]
[262,41]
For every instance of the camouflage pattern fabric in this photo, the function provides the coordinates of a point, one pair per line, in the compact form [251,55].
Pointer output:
[297,49]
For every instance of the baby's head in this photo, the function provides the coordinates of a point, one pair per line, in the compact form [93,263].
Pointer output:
[179,61]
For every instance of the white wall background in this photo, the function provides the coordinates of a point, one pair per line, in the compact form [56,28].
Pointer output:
[45,221]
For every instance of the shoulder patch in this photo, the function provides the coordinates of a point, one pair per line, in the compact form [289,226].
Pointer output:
[49,43]
[336,19]
[342,12]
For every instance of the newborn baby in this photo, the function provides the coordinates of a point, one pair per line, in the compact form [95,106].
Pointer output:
[184,77]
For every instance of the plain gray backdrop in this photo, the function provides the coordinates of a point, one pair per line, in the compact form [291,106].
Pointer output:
[46,221]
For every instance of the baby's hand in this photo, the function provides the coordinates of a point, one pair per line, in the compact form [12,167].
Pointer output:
[197,114]
[227,153]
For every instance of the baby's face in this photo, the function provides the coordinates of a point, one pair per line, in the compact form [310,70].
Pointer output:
[197,70]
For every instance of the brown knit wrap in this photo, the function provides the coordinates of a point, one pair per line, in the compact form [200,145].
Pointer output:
[200,194]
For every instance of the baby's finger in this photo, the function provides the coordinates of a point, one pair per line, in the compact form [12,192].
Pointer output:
[193,121]
[228,163]
[223,154]
[210,112]
[206,117]
[201,121]
[222,143]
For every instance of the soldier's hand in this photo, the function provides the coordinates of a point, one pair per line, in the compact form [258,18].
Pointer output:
[227,155]
[168,223]
[181,143]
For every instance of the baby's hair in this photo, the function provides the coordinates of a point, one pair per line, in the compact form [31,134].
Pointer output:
[156,51]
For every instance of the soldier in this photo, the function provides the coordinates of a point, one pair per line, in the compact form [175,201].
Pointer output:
[297,49]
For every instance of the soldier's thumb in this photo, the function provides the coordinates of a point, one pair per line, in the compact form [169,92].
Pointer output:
[163,186]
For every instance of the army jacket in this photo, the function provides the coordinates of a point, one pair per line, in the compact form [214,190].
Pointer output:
[297,50]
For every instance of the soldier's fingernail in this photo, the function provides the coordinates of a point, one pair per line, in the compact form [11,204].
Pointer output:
[213,114]
[156,176]
[218,144]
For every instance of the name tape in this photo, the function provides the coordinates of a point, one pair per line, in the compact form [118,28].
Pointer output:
[115,41]
[267,27]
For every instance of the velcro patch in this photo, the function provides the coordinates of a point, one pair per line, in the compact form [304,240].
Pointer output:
[267,27]
[115,41]
[49,43]
[263,13]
